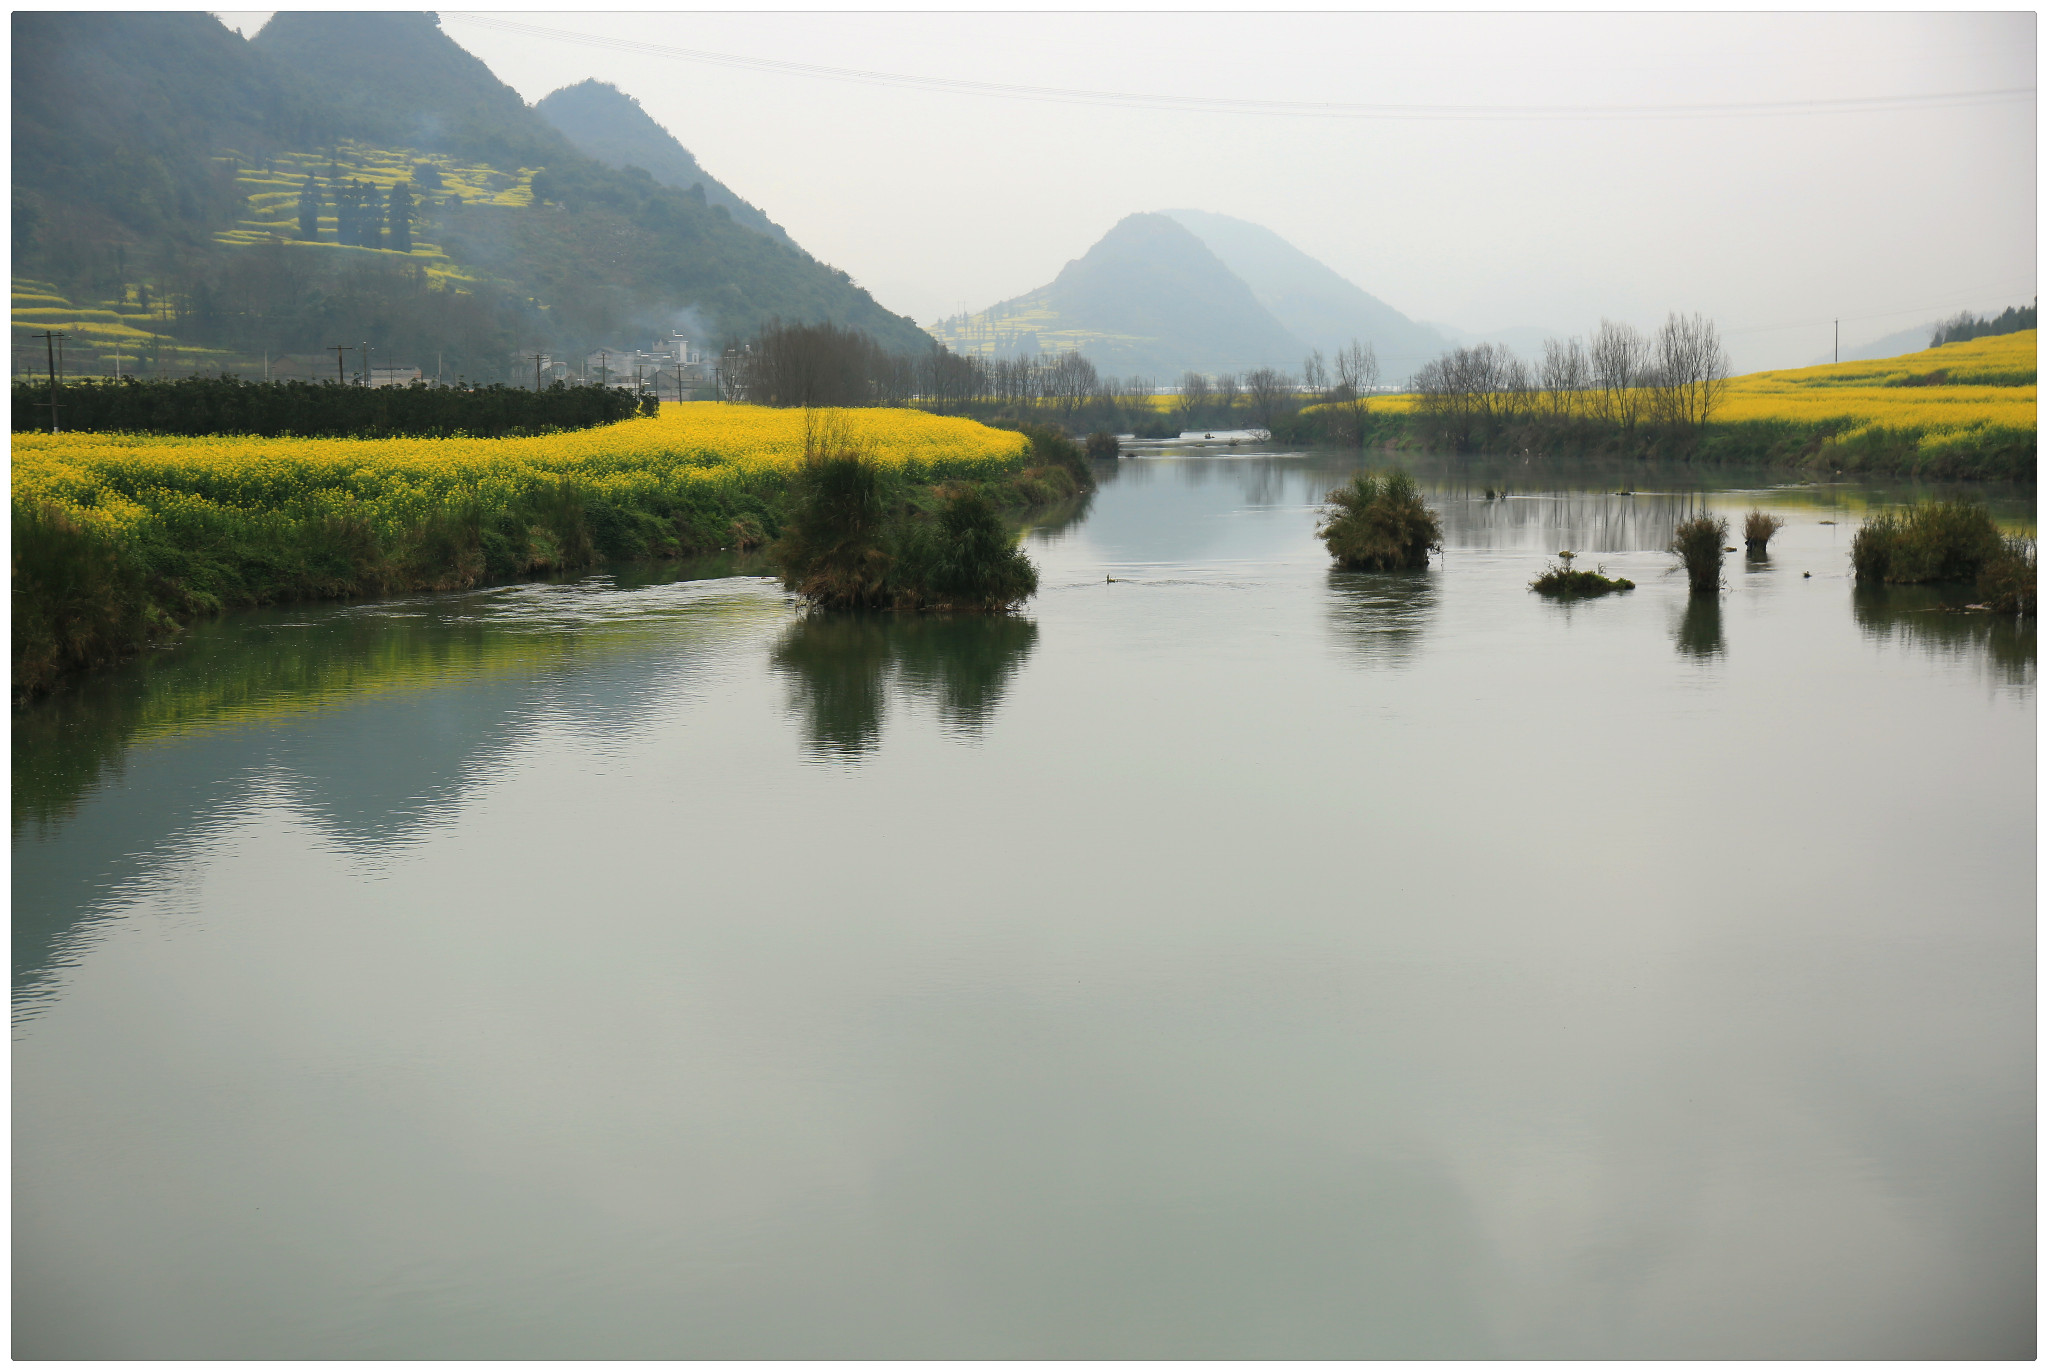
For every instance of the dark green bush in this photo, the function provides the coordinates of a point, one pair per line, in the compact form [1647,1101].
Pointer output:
[1103,444]
[2007,581]
[964,559]
[306,409]
[1934,540]
[1379,524]
[1697,542]
[833,548]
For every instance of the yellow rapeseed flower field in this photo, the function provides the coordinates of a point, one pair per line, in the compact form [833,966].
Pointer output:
[118,481]
[1984,383]
[1939,391]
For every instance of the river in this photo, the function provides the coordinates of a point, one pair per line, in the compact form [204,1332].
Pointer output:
[1229,957]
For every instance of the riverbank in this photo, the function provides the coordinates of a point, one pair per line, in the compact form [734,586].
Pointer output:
[121,539]
[1962,412]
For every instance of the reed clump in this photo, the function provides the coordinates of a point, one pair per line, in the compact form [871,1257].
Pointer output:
[1103,444]
[1697,542]
[1566,582]
[1379,524]
[1934,540]
[2006,583]
[1757,528]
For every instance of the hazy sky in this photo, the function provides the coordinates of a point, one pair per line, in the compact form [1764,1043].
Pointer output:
[1772,223]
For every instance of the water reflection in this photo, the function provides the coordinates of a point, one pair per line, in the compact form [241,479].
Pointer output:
[1697,632]
[841,670]
[1930,620]
[374,722]
[1382,615]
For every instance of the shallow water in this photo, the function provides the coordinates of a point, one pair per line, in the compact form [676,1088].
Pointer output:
[1231,957]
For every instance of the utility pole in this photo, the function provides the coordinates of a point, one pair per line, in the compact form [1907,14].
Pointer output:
[604,367]
[1838,340]
[537,360]
[366,362]
[340,373]
[50,338]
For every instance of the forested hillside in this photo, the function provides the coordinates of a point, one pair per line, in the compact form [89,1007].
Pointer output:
[609,125]
[184,198]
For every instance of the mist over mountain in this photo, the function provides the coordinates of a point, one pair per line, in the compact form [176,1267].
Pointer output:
[1148,298]
[1189,290]
[1314,303]
[609,125]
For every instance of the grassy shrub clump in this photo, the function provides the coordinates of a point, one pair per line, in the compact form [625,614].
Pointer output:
[1103,444]
[2006,583]
[1757,528]
[832,548]
[1935,540]
[1697,543]
[854,540]
[962,559]
[1565,582]
[1379,524]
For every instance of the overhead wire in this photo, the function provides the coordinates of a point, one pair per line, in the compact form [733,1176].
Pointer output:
[1213,104]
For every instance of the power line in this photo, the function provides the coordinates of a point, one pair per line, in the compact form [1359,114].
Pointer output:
[1880,314]
[1228,105]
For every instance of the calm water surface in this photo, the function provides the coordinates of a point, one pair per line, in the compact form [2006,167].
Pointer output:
[1232,958]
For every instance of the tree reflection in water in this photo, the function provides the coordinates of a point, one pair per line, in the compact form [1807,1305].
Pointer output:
[1698,631]
[1382,615]
[1929,620]
[842,668]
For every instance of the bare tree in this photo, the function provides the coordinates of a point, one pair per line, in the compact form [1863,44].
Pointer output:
[1620,359]
[1473,394]
[1314,374]
[1193,397]
[1272,396]
[1691,370]
[1358,374]
[1566,375]
[1070,381]
[1228,389]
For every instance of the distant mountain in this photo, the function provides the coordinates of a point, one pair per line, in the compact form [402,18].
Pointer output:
[1913,340]
[609,125]
[161,165]
[1311,301]
[1147,299]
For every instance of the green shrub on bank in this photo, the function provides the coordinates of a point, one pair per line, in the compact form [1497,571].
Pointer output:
[1697,543]
[1379,524]
[1934,540]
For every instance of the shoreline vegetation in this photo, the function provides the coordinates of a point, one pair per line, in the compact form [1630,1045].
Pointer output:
[1963,411]
[119,539]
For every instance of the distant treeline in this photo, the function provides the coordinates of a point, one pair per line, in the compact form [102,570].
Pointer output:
[1966,326]
[304,409]
[821,364]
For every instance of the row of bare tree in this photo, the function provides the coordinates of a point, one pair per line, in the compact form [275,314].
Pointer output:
[1620,378]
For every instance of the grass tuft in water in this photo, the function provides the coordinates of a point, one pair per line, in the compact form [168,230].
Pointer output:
[1566,582]
[1697,542]
[1935,540]
[1379,524]
[2006,583]
[1757,528]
